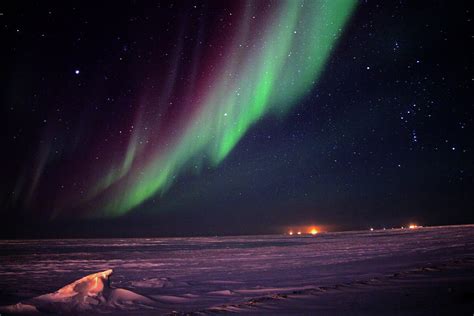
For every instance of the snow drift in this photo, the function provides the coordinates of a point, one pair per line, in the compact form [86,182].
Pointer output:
[92,292]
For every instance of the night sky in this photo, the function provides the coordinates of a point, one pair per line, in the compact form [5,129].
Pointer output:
[157,118]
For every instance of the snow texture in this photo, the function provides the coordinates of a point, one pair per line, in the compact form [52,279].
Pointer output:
[426,270]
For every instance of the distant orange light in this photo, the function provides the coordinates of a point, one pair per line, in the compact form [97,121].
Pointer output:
[290,233]
[314,231]
[412,226]
[299,233]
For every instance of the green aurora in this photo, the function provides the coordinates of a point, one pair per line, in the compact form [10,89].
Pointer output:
[283,63]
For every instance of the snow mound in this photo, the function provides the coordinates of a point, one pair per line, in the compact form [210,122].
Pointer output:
[222,292]
[20,308]
[92,285]
[92,292]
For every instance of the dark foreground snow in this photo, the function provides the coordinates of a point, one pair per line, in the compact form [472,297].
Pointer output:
[420,271]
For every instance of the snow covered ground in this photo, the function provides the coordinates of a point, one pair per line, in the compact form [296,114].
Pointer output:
[412,271]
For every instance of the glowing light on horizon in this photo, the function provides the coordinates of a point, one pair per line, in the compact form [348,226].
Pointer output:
[313,231]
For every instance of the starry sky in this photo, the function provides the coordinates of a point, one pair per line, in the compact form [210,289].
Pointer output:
[168,118]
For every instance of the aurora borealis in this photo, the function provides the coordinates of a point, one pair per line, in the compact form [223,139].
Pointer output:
[260,76]
[267,66]
[293,110]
